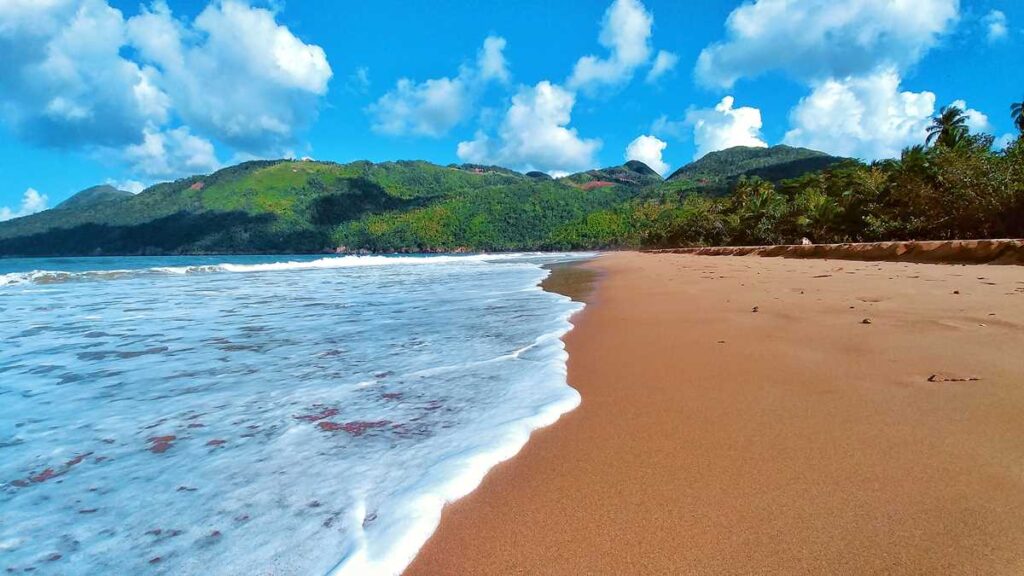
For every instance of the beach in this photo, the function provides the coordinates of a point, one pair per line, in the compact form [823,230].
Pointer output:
[746,415]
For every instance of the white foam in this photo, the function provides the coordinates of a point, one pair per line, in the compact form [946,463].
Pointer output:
[388,551]
[449,366]
[333,262]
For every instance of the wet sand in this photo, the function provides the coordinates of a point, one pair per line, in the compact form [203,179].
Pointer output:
[794,439]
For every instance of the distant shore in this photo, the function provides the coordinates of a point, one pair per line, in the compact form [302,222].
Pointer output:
[764,415]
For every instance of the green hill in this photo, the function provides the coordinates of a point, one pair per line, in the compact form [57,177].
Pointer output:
[93,197]
[307,206]
[718,171]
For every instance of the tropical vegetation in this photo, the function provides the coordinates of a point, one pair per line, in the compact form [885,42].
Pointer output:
[953,185]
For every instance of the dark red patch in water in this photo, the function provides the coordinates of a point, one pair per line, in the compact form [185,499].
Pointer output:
[329,426]
[355,428]
[391,395]
[44,475]
[216,442]
[317,416]
[360,428]
[160,444]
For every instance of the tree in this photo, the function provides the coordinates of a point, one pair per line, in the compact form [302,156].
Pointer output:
[759,211]
[949,128]
[1017,113]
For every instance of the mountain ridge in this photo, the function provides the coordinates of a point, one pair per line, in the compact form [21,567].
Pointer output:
[314,206]
[717,171]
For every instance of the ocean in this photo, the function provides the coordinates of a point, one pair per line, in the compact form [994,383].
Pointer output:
[262,414]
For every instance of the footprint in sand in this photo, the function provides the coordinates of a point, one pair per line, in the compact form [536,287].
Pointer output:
[871,299]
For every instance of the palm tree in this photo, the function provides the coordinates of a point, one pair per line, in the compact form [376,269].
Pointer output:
[949,128]
[915,160]
[1017,113]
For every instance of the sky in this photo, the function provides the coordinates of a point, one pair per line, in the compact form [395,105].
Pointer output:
[133,93]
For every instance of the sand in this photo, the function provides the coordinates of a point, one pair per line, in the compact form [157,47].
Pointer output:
[796,439]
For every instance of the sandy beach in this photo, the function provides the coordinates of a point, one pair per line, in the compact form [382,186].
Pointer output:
[746,415]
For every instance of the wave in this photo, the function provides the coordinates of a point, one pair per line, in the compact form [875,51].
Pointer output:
[388,550]
[59,276]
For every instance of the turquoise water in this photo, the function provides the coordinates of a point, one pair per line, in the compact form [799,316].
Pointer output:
[215,415]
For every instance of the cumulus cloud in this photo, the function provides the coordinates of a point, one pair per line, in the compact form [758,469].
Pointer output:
[170,153]
[664,62]
[77,74]
[976,121]
[996,26]
[866,116]
[429,108]
[31,202]
[626,33]
[63,81]
[535,134]
[817,39]
[433,107]
[648,149]
[724,126]
[133,186]
[491,60]
[234,73]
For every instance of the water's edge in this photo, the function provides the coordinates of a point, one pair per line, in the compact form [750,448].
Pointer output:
[575,281]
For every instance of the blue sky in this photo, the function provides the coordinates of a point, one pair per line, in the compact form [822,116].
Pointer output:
[132,93]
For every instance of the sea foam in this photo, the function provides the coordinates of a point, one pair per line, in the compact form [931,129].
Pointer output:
[259,416]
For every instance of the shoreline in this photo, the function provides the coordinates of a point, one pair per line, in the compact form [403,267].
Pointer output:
[795,439]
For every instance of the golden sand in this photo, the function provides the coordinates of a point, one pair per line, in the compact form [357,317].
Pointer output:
[796,439]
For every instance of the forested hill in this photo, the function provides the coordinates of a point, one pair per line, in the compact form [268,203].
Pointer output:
[309,206]
[737,196]
[718,171]
[94,196]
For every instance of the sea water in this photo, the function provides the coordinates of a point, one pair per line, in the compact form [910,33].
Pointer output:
[251,415]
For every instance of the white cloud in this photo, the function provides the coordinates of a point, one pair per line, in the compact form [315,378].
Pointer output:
[996,26]
[430,108]
[63,81]
[133,186]
[433,107]
[359,81]
[76,74]
[491,60]
[862,116]
[626,33]
[172,153]
[1005,140]
[818,39]
[664,62]
[724,127]
[234,74]
[535,134]
[976,121]
[666,127]
[31,202]
[648,149]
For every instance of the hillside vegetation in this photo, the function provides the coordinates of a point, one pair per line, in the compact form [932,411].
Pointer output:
[93,196]
[956,188]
